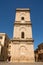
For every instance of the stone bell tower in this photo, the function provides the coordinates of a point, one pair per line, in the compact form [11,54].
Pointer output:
[22,48]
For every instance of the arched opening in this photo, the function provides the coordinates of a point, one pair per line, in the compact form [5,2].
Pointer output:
[22,18]
[9,58]
[22,35]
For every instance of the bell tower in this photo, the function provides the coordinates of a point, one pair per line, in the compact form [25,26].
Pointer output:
[22,42]
[22,24]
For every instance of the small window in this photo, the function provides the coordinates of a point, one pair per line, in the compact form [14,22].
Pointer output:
[7,46]
[5,38]
[0,37]
[22,18]
[22,35]
[9,58]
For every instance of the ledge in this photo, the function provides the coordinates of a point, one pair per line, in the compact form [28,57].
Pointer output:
[22,9]
[26,23]
[23,40]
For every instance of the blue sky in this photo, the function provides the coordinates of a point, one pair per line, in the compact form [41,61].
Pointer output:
[7,16]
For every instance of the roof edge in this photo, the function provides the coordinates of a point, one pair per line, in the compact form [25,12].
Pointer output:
[22,9]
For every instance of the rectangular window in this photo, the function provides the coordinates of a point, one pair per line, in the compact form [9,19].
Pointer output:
[22,35]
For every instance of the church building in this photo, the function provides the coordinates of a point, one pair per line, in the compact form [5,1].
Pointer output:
[21,47]
[22,44]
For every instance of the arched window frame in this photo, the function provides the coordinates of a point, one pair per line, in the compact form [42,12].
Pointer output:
[22,34]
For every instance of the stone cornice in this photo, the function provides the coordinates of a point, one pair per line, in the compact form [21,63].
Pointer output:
[22,9]
[19,23]
[23,40]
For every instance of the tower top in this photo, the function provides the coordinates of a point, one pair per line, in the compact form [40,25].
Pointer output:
[22,9]
[22,15]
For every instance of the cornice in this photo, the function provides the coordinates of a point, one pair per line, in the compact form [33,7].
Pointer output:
[22,9]
[23,40]
[26,23]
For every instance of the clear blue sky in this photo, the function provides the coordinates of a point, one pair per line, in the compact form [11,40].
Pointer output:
[7,15]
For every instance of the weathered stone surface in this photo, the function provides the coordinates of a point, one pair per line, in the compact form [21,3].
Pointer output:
[22,47]
[6,63]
